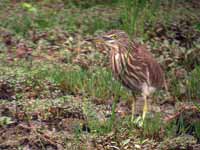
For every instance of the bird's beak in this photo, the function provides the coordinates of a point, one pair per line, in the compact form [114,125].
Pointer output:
[105,38]
[89,40]
[95,40]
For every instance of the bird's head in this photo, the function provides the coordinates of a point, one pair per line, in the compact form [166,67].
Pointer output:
[111,39]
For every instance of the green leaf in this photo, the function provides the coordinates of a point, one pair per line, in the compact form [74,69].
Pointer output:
[5,120]
[26,5]
[197,105]
[29,7]
[125,142]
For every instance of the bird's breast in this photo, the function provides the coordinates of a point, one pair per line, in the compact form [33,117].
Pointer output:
[117,63]
[125,71]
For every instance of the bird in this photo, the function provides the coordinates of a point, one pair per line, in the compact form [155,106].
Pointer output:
[132,64]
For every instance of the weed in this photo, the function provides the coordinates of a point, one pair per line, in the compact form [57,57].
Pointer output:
[193,84]
[136,13]
[21,21]
[175,87]
[152,127]
[97,24]
[181,127]
[112,119]
[170,129]
[98,84]
[197,26]
[85,4]
[197,131]
[5,121]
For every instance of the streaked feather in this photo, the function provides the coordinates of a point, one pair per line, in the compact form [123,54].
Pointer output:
[132,64]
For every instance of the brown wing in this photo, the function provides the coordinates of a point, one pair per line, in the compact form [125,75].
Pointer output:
[150,65]
[136,67]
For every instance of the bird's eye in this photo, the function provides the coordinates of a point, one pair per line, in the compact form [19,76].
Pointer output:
[114,36]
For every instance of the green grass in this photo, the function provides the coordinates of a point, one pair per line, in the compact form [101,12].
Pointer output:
[86,84]
[135,13]
[98,84]
[175,88]
[31,16]
[197,129]
[26,17]
[85,4]
[193,84]
[97,23]
[152,127]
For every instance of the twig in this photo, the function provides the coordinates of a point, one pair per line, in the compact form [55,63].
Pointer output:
[40,134]
[114,147]
[176,115]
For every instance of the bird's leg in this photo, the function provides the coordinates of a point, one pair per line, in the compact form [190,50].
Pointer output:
[133,107]
[145,108]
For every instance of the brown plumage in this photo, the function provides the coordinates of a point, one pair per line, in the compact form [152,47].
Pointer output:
[132,64]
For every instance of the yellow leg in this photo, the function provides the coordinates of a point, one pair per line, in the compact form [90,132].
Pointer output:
[133,108]
[145,108]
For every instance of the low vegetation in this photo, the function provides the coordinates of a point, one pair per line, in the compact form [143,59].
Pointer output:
[58,92]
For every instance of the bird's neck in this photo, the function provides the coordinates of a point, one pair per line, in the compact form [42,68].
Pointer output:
[118,60]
